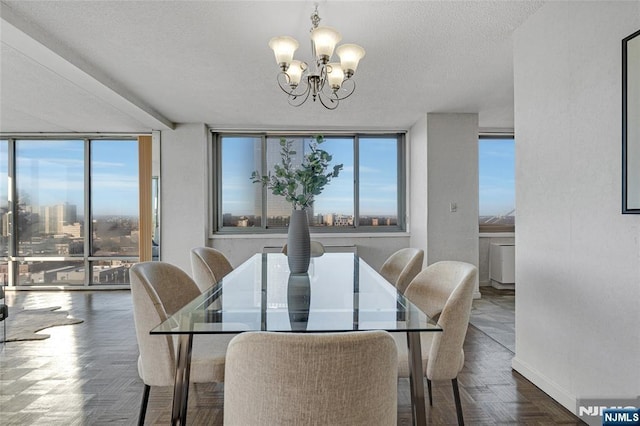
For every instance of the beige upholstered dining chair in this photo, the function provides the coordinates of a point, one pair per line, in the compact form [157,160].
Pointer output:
[159,290]
[317,249]
[402,266]
[208,266]
[303,379]
[443,290]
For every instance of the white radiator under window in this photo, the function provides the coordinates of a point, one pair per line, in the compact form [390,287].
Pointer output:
[502,264]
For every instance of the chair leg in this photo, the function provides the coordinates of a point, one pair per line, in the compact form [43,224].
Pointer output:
[456,397]
[143,406]
[429,390]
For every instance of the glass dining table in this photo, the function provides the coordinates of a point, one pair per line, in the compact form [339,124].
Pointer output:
[340,293]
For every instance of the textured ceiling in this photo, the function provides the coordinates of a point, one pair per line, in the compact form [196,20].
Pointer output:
[209,62]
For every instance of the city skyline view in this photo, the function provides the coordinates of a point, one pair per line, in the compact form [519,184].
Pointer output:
[50,184]
[48,173]
[50,220]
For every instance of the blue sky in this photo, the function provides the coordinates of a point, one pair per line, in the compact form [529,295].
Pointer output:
[237,158]
[59,167]
[378,176]
[496,176]
[52,172]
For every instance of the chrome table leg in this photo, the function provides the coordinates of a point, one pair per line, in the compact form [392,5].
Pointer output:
[416,381]
[181,384]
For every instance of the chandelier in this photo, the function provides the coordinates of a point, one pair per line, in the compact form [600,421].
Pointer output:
[329,82]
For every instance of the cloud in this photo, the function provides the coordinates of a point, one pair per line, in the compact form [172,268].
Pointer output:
[114,181]
[367,169]
[49,163]
[109,164]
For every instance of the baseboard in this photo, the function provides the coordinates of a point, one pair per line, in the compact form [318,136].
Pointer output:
[502,286]
[67,287]
[548,386]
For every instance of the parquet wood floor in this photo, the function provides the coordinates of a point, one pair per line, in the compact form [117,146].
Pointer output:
[86,374]
[495,315]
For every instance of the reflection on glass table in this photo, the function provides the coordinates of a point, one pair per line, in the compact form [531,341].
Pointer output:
[340,293]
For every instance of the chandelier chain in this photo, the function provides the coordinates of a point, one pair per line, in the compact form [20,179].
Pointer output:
[315,18]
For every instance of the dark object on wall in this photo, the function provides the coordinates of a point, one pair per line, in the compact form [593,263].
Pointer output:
[631,123]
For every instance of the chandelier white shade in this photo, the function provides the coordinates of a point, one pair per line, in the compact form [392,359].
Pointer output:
[328,82]
[350,55]
[325,39]
[284,48]
[294,71]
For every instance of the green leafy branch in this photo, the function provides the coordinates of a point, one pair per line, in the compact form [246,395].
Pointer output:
[299,185]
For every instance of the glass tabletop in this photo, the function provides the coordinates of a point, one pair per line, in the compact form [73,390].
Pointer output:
[339,293]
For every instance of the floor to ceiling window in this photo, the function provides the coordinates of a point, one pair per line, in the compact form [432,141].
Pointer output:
[4,212]
[75,215]
[114,209]
[50,207]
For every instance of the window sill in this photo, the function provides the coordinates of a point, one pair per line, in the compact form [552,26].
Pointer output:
[321,235]
[496,234]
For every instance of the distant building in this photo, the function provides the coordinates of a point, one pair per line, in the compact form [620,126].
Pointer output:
[54,218]
[5,224]
[342,220]
[277,205]
[62,248]
[74,230]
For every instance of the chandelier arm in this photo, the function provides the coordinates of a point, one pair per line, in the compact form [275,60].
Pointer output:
[331,98]
[286,88]
[298,99]
[348,91]
[323,78]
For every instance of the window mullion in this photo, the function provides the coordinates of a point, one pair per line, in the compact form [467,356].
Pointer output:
[356,181]
[263,159]
[402,172]
[13,211]
[13,207]
[217,161]
[88,228]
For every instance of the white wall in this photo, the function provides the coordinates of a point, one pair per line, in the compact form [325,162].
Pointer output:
[444,170]
[577,257]
[452,169]
[417,185]
[183,188]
